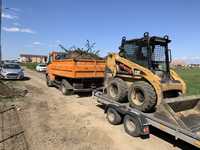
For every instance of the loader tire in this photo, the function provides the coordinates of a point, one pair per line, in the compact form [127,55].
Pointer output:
[142,96]
[107,76]
[117,90]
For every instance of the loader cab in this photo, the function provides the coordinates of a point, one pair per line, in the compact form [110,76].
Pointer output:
[149,52]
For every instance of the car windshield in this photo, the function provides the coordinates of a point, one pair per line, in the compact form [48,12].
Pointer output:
[11,66]
[42,65]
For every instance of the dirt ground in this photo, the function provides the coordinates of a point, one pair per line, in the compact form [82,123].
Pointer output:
[52,121]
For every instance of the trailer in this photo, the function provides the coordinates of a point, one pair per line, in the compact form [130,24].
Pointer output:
[179,117]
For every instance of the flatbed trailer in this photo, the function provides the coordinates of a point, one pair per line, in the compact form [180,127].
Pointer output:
[137,123]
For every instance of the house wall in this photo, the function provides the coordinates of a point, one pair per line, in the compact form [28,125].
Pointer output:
[33,59]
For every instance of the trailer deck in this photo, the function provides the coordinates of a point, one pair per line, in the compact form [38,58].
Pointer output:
[179,117]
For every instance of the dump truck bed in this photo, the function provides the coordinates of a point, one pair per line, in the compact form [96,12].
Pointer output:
[179,117]
[82,68]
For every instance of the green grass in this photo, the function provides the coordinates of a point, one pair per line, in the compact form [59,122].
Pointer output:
[30,65]
[192,79]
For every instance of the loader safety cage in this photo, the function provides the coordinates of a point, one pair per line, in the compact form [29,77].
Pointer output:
[150,119]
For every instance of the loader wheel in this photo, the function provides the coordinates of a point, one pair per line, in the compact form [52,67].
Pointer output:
[49,82]
[113,116]
[117,90]
[142,96]
[64,89]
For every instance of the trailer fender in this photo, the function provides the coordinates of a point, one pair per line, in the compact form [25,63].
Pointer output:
[111,106]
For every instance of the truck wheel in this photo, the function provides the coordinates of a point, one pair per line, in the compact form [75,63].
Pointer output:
[49,82]
[113,116]
[132,126]
[117,90]
[64,89]
[142,96]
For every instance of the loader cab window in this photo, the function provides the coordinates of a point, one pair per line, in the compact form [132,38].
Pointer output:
[136,53]
[158,58]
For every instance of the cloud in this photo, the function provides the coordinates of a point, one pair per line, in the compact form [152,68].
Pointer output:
[16,24]
[189,60]
[9,16]
[16,29]
[15,9]
[58,41]
[37,43]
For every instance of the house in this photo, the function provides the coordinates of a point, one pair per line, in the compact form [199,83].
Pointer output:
[194,65]
[178,63]
[24,58]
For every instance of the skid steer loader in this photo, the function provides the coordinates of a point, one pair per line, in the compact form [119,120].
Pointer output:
[141,73]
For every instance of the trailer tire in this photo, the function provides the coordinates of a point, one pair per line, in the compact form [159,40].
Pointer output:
[132,126]
[49,82]
[65,89]
[117,89]
[142,96]
[113,116]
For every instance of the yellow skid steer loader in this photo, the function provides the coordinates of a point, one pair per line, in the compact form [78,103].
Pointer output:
[141,73]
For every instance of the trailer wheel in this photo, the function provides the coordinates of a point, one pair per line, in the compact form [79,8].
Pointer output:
[142,96]
[49,82]
[132,126]
[117,90]
[113,116]
[64,89]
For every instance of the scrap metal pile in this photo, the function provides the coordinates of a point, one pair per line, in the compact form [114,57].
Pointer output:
[80,53]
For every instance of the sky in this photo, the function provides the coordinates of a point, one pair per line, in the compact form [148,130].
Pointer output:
[38,26]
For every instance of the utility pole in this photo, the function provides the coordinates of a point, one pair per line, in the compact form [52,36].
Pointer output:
[0,30]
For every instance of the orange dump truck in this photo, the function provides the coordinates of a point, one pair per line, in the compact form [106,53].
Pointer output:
[71,75]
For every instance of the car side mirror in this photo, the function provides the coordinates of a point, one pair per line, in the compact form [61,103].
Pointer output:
[170,55]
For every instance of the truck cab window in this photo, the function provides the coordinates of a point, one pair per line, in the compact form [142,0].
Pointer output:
[49,59]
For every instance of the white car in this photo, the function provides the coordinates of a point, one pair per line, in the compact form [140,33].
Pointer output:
[41,67]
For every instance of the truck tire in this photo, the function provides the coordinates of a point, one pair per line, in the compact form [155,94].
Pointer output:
[49,82]
[64,88]
[142,96]
[113,116]
[132,126]
[117,90]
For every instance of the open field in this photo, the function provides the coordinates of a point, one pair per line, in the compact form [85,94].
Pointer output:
[192,79]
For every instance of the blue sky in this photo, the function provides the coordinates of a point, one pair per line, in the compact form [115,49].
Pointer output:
[38,26]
